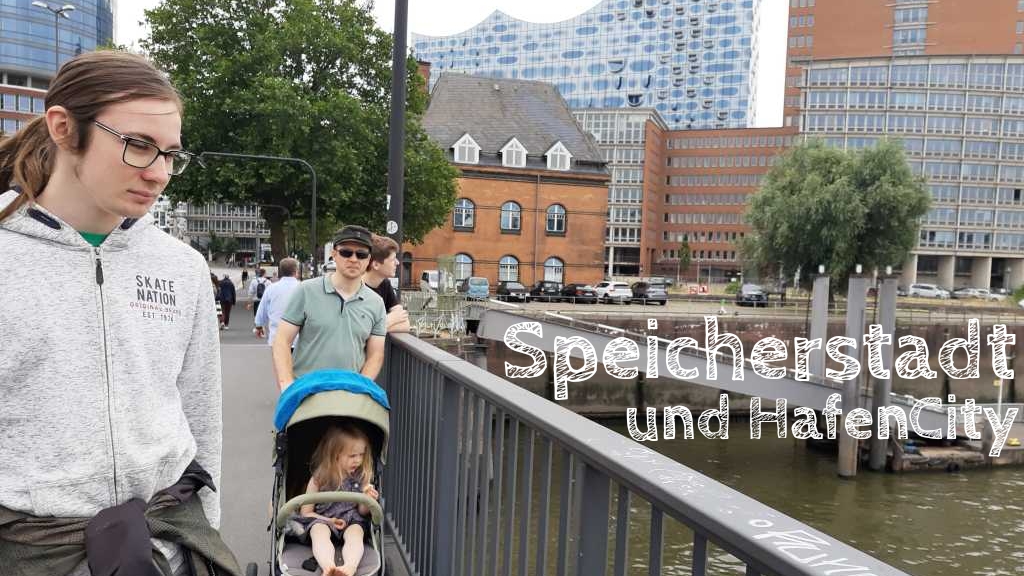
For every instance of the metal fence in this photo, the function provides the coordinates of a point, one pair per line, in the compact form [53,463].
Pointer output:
[435,314]
[486,478]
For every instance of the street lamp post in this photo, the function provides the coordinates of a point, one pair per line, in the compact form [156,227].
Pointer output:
[58,13]
[396,131]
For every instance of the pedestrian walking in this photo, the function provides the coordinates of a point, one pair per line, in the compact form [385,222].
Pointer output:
[275,299]
[258,286]
[227,299]
[112,393]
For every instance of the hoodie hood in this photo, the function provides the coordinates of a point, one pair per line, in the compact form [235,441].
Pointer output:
[35,221]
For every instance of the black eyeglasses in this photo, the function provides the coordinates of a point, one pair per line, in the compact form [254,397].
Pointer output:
[141,154]
[347,253]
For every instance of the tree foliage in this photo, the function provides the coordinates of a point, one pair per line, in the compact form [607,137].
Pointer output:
[307,79]
[820,205]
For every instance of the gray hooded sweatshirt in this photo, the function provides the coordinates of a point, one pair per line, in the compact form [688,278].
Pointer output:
[109,366]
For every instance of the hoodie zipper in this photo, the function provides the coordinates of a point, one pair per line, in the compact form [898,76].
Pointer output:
[106,368]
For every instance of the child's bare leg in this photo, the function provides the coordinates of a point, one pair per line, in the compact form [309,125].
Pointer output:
[352,550]
[323,549]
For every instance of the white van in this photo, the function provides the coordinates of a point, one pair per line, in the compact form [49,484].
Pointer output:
[429,280]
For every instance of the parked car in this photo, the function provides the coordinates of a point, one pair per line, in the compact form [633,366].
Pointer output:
[546,290]
[927,291]
[901,291]
[429,280]
[751,294]
[579,293]
[478,288]
[966,293]
[998,294]
[512,291]
[649,293]
[613,292]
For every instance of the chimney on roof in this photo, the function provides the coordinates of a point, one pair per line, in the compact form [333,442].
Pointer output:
[497,87]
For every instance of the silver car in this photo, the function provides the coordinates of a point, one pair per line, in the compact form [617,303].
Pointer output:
[927,291]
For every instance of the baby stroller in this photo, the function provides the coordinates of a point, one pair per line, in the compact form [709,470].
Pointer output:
[304,412]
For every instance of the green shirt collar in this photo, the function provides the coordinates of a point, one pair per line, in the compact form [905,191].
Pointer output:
[330,289]
[94,240]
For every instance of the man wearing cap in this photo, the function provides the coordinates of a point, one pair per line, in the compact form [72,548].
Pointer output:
[340,322]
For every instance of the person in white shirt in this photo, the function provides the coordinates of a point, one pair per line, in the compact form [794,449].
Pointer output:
[257,288]
[275,299]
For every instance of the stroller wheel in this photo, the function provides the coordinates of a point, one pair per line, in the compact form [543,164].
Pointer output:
[252,569]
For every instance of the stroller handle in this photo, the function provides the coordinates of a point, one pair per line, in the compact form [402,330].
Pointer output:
[292,506]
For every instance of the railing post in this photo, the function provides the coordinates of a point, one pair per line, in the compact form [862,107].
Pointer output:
[593,549]
[444,495]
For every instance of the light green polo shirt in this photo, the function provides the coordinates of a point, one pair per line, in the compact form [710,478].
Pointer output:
[333,332]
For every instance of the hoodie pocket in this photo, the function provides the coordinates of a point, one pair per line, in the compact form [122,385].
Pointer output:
[80,497]
[144,482]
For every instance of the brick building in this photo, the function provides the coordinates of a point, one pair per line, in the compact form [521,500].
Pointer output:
[533,187]
[709,178]
[946,77]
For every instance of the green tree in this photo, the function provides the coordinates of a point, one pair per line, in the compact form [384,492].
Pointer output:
[820,205]
[300,78]
[684,257]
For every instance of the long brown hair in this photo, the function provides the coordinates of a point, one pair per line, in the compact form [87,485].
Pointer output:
[85,86]
[326,472]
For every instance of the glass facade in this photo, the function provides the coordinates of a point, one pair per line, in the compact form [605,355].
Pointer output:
[961,122]
[27,35]
[688,59]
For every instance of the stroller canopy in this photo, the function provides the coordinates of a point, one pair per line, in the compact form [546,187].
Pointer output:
[333,393]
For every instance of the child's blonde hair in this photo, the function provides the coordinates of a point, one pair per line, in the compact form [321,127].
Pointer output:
[326,472]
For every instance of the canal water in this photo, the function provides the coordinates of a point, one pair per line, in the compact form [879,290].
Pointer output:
[925,524]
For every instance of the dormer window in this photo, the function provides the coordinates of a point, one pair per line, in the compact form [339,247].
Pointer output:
[558,157]
[467,151]
[513,154]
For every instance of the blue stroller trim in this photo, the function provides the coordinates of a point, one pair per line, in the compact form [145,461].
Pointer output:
[322,381]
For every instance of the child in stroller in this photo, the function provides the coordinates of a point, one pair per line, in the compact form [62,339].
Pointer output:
[321,415]
[341,464]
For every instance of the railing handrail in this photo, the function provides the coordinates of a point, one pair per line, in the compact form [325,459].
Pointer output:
[744,527]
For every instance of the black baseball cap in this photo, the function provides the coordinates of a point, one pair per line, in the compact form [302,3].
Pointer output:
[356,234]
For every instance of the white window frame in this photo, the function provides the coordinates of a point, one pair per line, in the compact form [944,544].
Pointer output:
[558,157]
[467,151]
[508,269]
[554,270]
[513,154]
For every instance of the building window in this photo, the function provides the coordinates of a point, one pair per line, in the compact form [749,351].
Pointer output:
[554,269]
[467,151]
[513,154]
[556,219]
[508,269]
[463,266]
[464,214]
[558,157]
[511,216]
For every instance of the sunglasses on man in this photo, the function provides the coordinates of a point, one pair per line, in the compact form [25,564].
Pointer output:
[348,253]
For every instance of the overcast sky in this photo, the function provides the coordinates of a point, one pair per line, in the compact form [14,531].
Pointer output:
[442,17]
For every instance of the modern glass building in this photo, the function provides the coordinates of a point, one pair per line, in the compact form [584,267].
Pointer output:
[27,37]
[688,59]
[27,50]
[961,122]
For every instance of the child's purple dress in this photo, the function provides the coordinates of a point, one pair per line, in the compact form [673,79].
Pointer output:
[347,511]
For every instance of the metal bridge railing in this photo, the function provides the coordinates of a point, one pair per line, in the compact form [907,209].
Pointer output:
[486,478]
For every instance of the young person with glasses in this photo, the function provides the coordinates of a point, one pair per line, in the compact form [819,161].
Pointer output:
[340,321]
[110,366]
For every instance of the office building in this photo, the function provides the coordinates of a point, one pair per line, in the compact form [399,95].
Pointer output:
[946,77]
